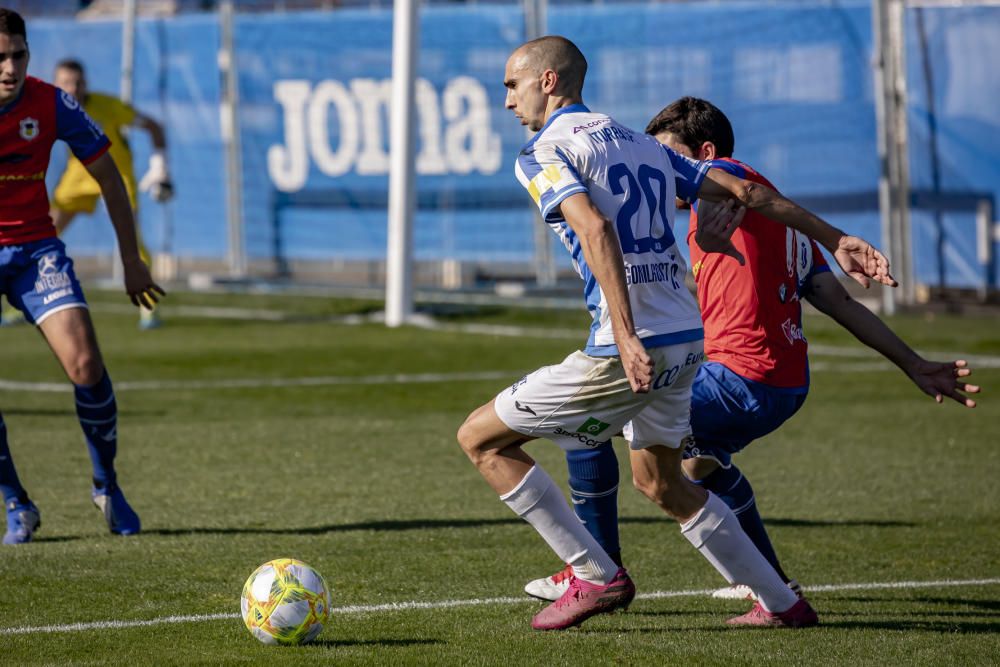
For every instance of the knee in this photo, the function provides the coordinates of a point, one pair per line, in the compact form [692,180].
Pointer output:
[670,495]
[85,369]
[656,490]
[468,438]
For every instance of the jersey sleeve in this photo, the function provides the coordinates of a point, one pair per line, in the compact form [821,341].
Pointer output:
[820,264]
[549,175]
[75,127]
[688,175]
[737,170]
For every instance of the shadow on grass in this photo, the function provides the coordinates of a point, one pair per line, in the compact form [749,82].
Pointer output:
[949,627]
[57,538]
[71,413]
[335,643]
[659,629]
[428,524]
[981,608]
[810,523]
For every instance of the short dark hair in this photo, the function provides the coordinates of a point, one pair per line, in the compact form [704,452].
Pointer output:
[70,63]
[12,24]
[561,55]
[694,121]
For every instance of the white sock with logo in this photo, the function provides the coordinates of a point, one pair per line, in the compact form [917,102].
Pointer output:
[716,533]
[539,501]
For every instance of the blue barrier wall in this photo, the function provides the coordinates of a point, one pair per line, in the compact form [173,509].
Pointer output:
[177,81]
[794,79]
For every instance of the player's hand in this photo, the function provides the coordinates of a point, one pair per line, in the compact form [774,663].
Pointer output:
[157,181]
[861,261]
[939,379]
[637,363]
[140,286]
[716,225]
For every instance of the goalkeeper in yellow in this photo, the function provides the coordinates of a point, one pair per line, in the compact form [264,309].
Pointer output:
[78,192]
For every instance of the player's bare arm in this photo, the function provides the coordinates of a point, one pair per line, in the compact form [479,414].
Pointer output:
[157,135]
[138,282]
[936,379]
[603,253]
[858,258]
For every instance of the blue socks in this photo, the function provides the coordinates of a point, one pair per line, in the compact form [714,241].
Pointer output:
[593,484]
[734,489]
[10,485]
[98,414]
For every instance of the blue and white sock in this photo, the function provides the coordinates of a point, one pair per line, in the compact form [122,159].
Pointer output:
[593,486]
[10,485]
[734,489]
[98,413]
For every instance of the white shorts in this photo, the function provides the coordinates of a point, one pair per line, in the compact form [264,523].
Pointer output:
[584,401]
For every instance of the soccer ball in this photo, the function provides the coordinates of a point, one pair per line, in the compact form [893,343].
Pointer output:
[285,602]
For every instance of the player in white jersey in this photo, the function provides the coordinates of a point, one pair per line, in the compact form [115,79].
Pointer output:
[608,193]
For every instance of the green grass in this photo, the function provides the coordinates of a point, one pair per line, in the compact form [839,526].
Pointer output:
[871,482]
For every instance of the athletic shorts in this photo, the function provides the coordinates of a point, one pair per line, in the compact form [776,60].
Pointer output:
[728,412]
[584,401]
[38,279]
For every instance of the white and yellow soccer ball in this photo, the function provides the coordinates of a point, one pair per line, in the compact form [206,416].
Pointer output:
[285,602]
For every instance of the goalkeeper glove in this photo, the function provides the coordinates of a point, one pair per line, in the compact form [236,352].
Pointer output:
[157,179]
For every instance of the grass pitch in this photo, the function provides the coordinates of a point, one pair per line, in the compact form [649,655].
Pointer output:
[871,483]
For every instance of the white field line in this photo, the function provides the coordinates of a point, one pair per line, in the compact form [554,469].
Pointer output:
[347,381]
[475,602]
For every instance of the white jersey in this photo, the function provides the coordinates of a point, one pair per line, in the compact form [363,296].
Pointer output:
[632,179]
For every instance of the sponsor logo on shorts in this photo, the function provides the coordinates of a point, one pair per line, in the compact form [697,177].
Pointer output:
[58,294]
[514,387]
[592,427]
[47,264]
[49,276]
[525,408]
[590,442]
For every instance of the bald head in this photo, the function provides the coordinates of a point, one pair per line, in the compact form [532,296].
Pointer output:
[560,55]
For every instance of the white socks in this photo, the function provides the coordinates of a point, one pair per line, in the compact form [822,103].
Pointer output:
[716,533]
[539,501]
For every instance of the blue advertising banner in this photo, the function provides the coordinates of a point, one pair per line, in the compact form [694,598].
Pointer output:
[795,80]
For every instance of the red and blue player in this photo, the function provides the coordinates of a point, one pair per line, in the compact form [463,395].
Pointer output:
[756,373]
[38,278]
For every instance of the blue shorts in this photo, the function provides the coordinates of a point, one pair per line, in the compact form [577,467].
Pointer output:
[728,412]
[38,279]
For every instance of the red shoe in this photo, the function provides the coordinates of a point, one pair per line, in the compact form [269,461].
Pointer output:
[799,615]
[583,600]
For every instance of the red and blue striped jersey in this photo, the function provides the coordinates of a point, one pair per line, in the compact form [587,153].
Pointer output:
[29,126]
[752,313]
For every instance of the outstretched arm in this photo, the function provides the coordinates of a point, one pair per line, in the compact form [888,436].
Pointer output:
[858,258]
[936,379]
[603,253]
[138,283]
[157,135]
